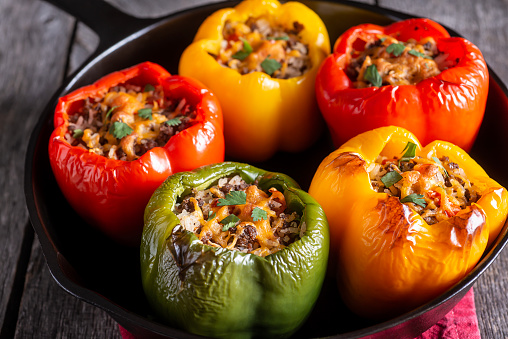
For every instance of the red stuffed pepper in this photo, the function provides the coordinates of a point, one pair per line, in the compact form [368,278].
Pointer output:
[410,74]
[117,140]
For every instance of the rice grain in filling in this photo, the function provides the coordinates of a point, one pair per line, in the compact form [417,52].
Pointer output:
[261,225]
[442,187]
[128,121]
[282,47]
[398,63]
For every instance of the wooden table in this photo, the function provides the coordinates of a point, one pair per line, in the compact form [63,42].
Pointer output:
[40,45]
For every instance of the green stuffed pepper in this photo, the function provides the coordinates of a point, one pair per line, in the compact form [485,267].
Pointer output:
[233,251]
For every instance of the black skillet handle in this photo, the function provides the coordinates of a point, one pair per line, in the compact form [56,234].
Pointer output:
[110,24]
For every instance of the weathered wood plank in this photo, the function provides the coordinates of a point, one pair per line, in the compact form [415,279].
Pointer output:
[33,36]
[50,312]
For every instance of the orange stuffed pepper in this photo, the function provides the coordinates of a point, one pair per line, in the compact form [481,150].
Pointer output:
[406,222]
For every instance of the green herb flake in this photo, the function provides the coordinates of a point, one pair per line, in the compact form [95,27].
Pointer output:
[259,214]
[270,65]
[390,178]
[382,39]
[149,88]
[120,129]
[419,54]
[438,162]
[415,199]
[145,113]
[233,198]
[110,111]
[245,52]
[372,76]
[395,49]
[410,150]
[211,215]
[284,37]
[78,133]
[229,221]
[174,122]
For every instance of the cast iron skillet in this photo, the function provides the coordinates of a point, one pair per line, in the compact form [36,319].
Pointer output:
[92,268]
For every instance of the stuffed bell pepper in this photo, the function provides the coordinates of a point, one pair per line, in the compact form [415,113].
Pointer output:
[406,222]
[233,251]
[410,74]
[261,58]
[117,140]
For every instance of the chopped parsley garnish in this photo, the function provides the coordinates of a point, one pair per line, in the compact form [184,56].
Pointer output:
[419,54]
[390,178]
[259,214]
[120,129]
[284,37]
[415,199]
[110,111]
[211,215]
[410,150]
[229,221]
[270,65]
[233,198]
[145,113]
[395,49]
[372,76]
[149,88]
[440,165]
[174,122]
[78,133]
[245,52]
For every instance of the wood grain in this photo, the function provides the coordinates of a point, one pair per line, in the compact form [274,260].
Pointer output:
[36,44]
[51,312]
[33,48]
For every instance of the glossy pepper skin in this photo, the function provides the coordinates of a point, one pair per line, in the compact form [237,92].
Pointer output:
[112,194]
[388,259]
[222,293]
[262,115]
[449,106]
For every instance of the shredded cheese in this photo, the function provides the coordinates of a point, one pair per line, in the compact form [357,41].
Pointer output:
[248,44]
[444,186]
[261,237]
[123,104]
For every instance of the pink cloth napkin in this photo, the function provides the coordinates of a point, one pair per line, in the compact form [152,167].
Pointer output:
[460,323]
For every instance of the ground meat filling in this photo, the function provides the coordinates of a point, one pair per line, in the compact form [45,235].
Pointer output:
[397,63]
[260,224]
[128,121]
[258,46]
[437,189]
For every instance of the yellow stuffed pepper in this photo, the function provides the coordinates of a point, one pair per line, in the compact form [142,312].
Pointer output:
[260,59]
[406,222]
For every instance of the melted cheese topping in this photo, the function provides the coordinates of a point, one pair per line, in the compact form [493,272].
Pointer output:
[443,186]
[414,62]
[262,237]
[97,122]
[268,42]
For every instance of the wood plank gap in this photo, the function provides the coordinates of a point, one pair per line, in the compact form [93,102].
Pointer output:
[12,311]
[72,40]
